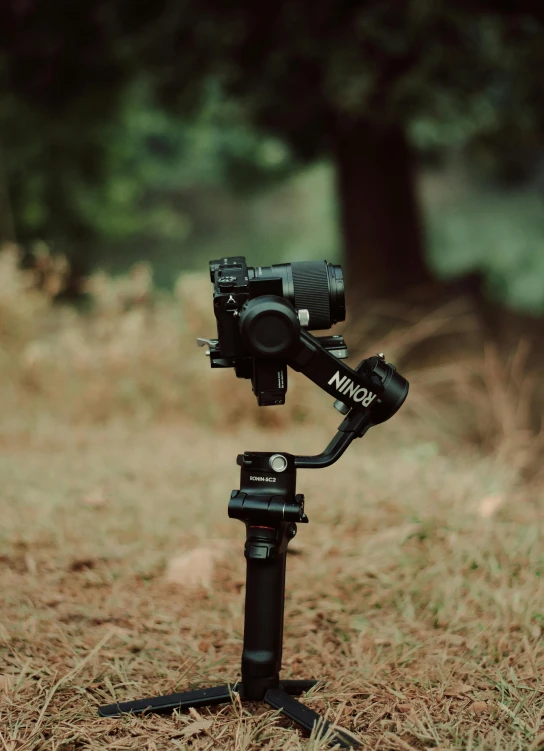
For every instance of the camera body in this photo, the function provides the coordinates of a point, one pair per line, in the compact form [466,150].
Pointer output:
[314,295]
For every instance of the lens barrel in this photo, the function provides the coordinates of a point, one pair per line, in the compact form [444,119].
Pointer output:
[317,286]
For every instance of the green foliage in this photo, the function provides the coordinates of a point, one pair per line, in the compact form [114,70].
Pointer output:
[124,179]
[125,127]
[497,232]
[446,71]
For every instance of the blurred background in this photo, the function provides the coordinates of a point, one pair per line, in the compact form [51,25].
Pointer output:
[405,141]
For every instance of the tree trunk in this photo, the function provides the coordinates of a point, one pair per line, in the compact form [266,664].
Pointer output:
[379,213]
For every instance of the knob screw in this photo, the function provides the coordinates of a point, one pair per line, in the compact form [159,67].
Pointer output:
[341,407]
[278,463]
[304,317]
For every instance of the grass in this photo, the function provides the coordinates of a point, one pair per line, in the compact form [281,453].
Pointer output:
[416,592]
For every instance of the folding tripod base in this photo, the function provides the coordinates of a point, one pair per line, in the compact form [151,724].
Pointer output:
[279,698]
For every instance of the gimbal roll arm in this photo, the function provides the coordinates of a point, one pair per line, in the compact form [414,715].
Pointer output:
[354,426]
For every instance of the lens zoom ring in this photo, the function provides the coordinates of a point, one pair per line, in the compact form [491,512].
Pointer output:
[311,284]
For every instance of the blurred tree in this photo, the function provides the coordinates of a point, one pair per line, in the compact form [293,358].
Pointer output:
[60,82]
[360,82]
[87,156]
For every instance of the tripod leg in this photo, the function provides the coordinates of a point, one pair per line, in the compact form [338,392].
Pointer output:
[203,697]
[295,688]
[306,717]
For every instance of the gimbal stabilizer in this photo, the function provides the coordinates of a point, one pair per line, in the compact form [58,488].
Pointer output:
[268,504]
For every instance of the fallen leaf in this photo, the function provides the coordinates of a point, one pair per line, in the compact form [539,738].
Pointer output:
[404,707]
[195,568]
[490,505]
[458,689]
[95,497]
[196,727]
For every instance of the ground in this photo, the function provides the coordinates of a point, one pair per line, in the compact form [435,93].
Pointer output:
[415,592]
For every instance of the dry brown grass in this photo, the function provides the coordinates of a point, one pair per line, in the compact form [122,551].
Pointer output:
[416,592]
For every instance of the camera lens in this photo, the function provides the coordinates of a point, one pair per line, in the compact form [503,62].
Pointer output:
[317,286]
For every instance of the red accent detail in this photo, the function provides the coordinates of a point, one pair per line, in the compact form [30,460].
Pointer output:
[257,526]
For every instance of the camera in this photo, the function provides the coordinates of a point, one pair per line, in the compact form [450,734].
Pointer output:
[314,292]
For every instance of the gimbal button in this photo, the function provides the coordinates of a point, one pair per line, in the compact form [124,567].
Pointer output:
[258,551]
[278,463]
